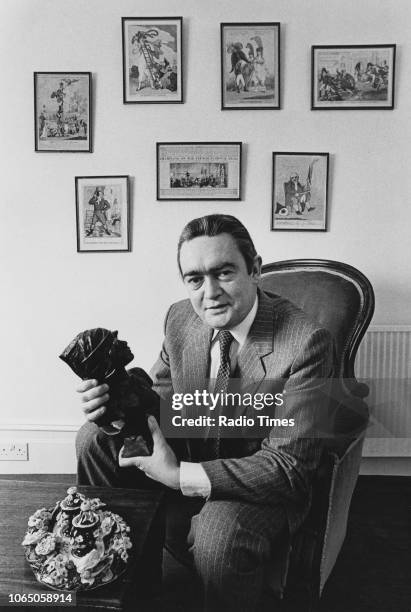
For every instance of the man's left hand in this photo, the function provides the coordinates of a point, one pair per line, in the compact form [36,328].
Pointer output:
[162,465]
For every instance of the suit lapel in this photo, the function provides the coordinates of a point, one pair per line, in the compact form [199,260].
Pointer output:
[258,345]
[250,365]
[196,356]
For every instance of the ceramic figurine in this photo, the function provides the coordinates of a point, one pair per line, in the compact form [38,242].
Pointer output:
[69,507]
[82,535]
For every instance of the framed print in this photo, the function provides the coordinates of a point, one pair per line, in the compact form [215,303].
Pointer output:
[199,171]
[250,66]
[62,112]
[102,213]
[352,77]
[152,60]
[300,191]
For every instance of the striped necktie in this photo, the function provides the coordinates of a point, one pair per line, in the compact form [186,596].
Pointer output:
[225,339]
[212,445]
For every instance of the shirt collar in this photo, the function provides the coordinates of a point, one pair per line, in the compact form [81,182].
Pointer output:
[240,331]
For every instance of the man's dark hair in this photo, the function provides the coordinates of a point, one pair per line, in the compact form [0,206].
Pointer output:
[213,225]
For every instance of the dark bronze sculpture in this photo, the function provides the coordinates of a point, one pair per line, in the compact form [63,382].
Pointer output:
[99,354]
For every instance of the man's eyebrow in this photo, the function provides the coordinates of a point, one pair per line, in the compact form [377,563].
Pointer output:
[226,264]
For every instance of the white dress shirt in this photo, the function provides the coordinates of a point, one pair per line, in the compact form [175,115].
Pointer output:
[194,481]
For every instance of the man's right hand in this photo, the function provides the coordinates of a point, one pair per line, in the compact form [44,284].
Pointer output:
[93,398]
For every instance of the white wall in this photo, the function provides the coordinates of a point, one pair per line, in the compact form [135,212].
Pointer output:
[50,292]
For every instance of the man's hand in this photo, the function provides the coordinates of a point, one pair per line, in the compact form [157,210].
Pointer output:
[162,465]
[93,397]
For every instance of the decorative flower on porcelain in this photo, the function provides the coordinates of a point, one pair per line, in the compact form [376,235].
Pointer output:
[77,545]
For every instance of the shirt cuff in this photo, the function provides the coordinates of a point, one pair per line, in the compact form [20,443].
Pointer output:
[194,481]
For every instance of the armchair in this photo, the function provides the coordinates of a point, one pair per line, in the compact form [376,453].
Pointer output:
[341,299]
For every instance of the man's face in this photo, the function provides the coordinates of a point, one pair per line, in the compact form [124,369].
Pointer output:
[221,290]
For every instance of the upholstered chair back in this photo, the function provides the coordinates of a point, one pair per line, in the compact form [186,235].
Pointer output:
[335,294]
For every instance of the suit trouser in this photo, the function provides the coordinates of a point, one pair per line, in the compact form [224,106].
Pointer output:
[228,541]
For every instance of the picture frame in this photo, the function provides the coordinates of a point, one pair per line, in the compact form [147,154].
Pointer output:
[199,170]
[62,112]
[250,66]
[152,60]
[353,77]
[300,191]
[102,213]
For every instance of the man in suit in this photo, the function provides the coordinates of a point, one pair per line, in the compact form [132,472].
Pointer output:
[238,497]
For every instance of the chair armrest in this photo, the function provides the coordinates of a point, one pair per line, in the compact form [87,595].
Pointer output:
[349,420]
[316,544]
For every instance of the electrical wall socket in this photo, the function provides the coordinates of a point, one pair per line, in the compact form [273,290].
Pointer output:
[14,451]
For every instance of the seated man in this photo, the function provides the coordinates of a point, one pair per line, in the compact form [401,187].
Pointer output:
[238,500]
[295,195]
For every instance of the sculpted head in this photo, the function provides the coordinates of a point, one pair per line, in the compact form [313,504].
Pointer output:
[220,269]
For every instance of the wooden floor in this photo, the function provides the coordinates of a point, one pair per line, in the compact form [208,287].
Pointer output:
[373,571]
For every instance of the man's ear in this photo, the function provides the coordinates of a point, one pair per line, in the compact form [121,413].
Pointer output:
[256,270]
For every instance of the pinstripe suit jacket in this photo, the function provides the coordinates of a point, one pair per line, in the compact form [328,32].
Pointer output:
[284,351]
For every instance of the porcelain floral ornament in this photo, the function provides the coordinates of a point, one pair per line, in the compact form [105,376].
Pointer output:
[77,545]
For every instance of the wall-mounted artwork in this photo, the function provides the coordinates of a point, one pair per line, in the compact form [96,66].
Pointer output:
[352,77]
[199,171]
[152,60]
[250,66]
[102,213]
[62,112]
[300,191]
